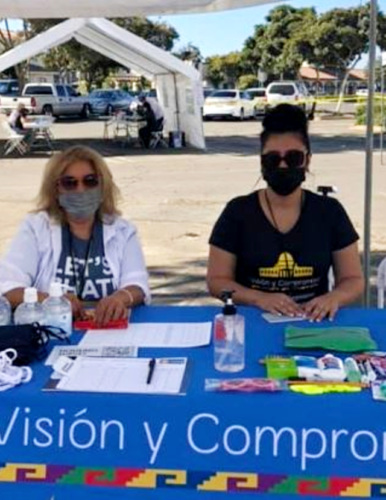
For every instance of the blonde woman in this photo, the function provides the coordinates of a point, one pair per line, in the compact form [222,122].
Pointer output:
[77,237]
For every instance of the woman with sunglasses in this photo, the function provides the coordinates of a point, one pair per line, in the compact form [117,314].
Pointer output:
[275,246]
[76,237]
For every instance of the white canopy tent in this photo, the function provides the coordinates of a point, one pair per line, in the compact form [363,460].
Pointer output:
[115,8]
[178,84]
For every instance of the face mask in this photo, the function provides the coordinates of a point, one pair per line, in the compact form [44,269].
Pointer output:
[284,181]
[81,205]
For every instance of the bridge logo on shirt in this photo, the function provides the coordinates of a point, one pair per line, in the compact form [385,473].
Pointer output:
[286,267]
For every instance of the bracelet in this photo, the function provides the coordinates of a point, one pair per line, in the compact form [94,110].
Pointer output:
[130,295]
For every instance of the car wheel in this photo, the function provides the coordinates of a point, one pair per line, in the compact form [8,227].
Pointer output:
[85,113]
[109,110]
[242,114]
[47,110]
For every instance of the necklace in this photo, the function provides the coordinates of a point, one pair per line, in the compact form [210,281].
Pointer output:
[80,278]
[272,214]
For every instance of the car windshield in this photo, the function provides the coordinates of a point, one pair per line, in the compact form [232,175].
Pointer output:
[257,93]
[282,89]
[224,94]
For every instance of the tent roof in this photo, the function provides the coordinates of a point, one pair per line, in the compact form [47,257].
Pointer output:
[107,38]
[115,8]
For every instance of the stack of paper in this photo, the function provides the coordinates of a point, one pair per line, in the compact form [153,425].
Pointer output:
[123,375]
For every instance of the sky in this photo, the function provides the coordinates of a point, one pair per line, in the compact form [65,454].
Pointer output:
[223,32]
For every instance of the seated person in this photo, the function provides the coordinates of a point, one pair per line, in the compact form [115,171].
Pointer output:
[17,118]
[275,246]
[154,116]
[77,237]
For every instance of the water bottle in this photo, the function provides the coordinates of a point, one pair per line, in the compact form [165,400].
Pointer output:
[57,309]
[229,327]
[5,311]
[29,311]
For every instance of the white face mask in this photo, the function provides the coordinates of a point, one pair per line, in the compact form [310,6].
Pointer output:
[81,205]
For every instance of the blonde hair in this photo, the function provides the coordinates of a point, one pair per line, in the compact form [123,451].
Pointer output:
[47,199]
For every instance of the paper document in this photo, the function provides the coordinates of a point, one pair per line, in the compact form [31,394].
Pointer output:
[103,351]
[130,375]
[276,318]
[151,335]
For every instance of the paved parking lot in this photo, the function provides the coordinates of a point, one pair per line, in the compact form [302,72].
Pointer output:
[174,196]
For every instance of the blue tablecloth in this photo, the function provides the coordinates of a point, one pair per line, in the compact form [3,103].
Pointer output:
[60,446]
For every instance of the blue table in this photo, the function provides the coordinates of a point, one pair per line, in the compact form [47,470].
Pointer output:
[60,446]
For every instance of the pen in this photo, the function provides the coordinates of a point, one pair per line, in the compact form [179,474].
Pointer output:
[150,370]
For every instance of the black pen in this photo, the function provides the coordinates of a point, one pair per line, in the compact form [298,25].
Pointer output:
[150,370]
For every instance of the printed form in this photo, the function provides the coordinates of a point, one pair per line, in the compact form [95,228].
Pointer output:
[130,375]
[151,335]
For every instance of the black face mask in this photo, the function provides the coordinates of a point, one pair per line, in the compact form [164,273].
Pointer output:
[284,181]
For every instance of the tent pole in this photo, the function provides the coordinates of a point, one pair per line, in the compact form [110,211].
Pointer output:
[369,151]
[177,103]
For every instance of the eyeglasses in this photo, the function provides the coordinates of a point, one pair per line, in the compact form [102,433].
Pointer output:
[69,183]
[294,158]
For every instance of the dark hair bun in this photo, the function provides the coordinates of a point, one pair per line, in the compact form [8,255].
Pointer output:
[285,118]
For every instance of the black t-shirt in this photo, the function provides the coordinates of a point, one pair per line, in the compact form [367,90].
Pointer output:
[295,263]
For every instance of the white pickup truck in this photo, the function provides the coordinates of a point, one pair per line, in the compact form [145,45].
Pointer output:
[48,99]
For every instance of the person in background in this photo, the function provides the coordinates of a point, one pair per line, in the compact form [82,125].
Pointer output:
[17,119]
[275,246]
[154,116]
[77,237]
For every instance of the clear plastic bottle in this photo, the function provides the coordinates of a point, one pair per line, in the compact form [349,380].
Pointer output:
[229,338]
[57,309]
[5,311]
[29,311]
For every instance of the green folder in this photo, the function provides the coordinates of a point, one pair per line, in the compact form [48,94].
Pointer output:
[345,338]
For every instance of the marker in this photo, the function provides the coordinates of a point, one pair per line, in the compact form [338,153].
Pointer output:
[150,370]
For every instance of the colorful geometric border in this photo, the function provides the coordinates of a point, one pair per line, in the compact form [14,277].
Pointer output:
[205,481]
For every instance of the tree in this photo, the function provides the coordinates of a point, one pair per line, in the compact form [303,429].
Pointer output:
[8,40]
[281,45]
[220,69]
[190,53]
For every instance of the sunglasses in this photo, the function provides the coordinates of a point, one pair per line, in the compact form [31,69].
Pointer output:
[69,183]
[293,158]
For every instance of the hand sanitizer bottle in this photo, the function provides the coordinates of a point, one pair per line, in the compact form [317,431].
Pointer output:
[229,328]
[5,311]
[29,311]
[58,310]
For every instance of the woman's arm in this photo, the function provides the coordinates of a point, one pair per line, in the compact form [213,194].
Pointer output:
[221,276]
[16,296]
[349,281]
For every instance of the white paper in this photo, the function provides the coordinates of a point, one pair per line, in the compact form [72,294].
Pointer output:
[276,318]
[117,375]
[151,335]
[103,351]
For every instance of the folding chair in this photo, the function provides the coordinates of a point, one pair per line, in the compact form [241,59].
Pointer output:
[157,137]
[13,140]
[381,283]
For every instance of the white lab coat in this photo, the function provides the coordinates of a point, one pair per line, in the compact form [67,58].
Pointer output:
[33,257]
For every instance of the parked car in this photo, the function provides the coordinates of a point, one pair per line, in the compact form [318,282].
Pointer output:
[362,92]
[108,101]
[9,87]
[290,92]
[259,96]
[231,103]
[49,99]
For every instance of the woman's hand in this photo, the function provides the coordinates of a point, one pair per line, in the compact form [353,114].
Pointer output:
[324,306]
[279,303]
[77,306]
[110,308]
